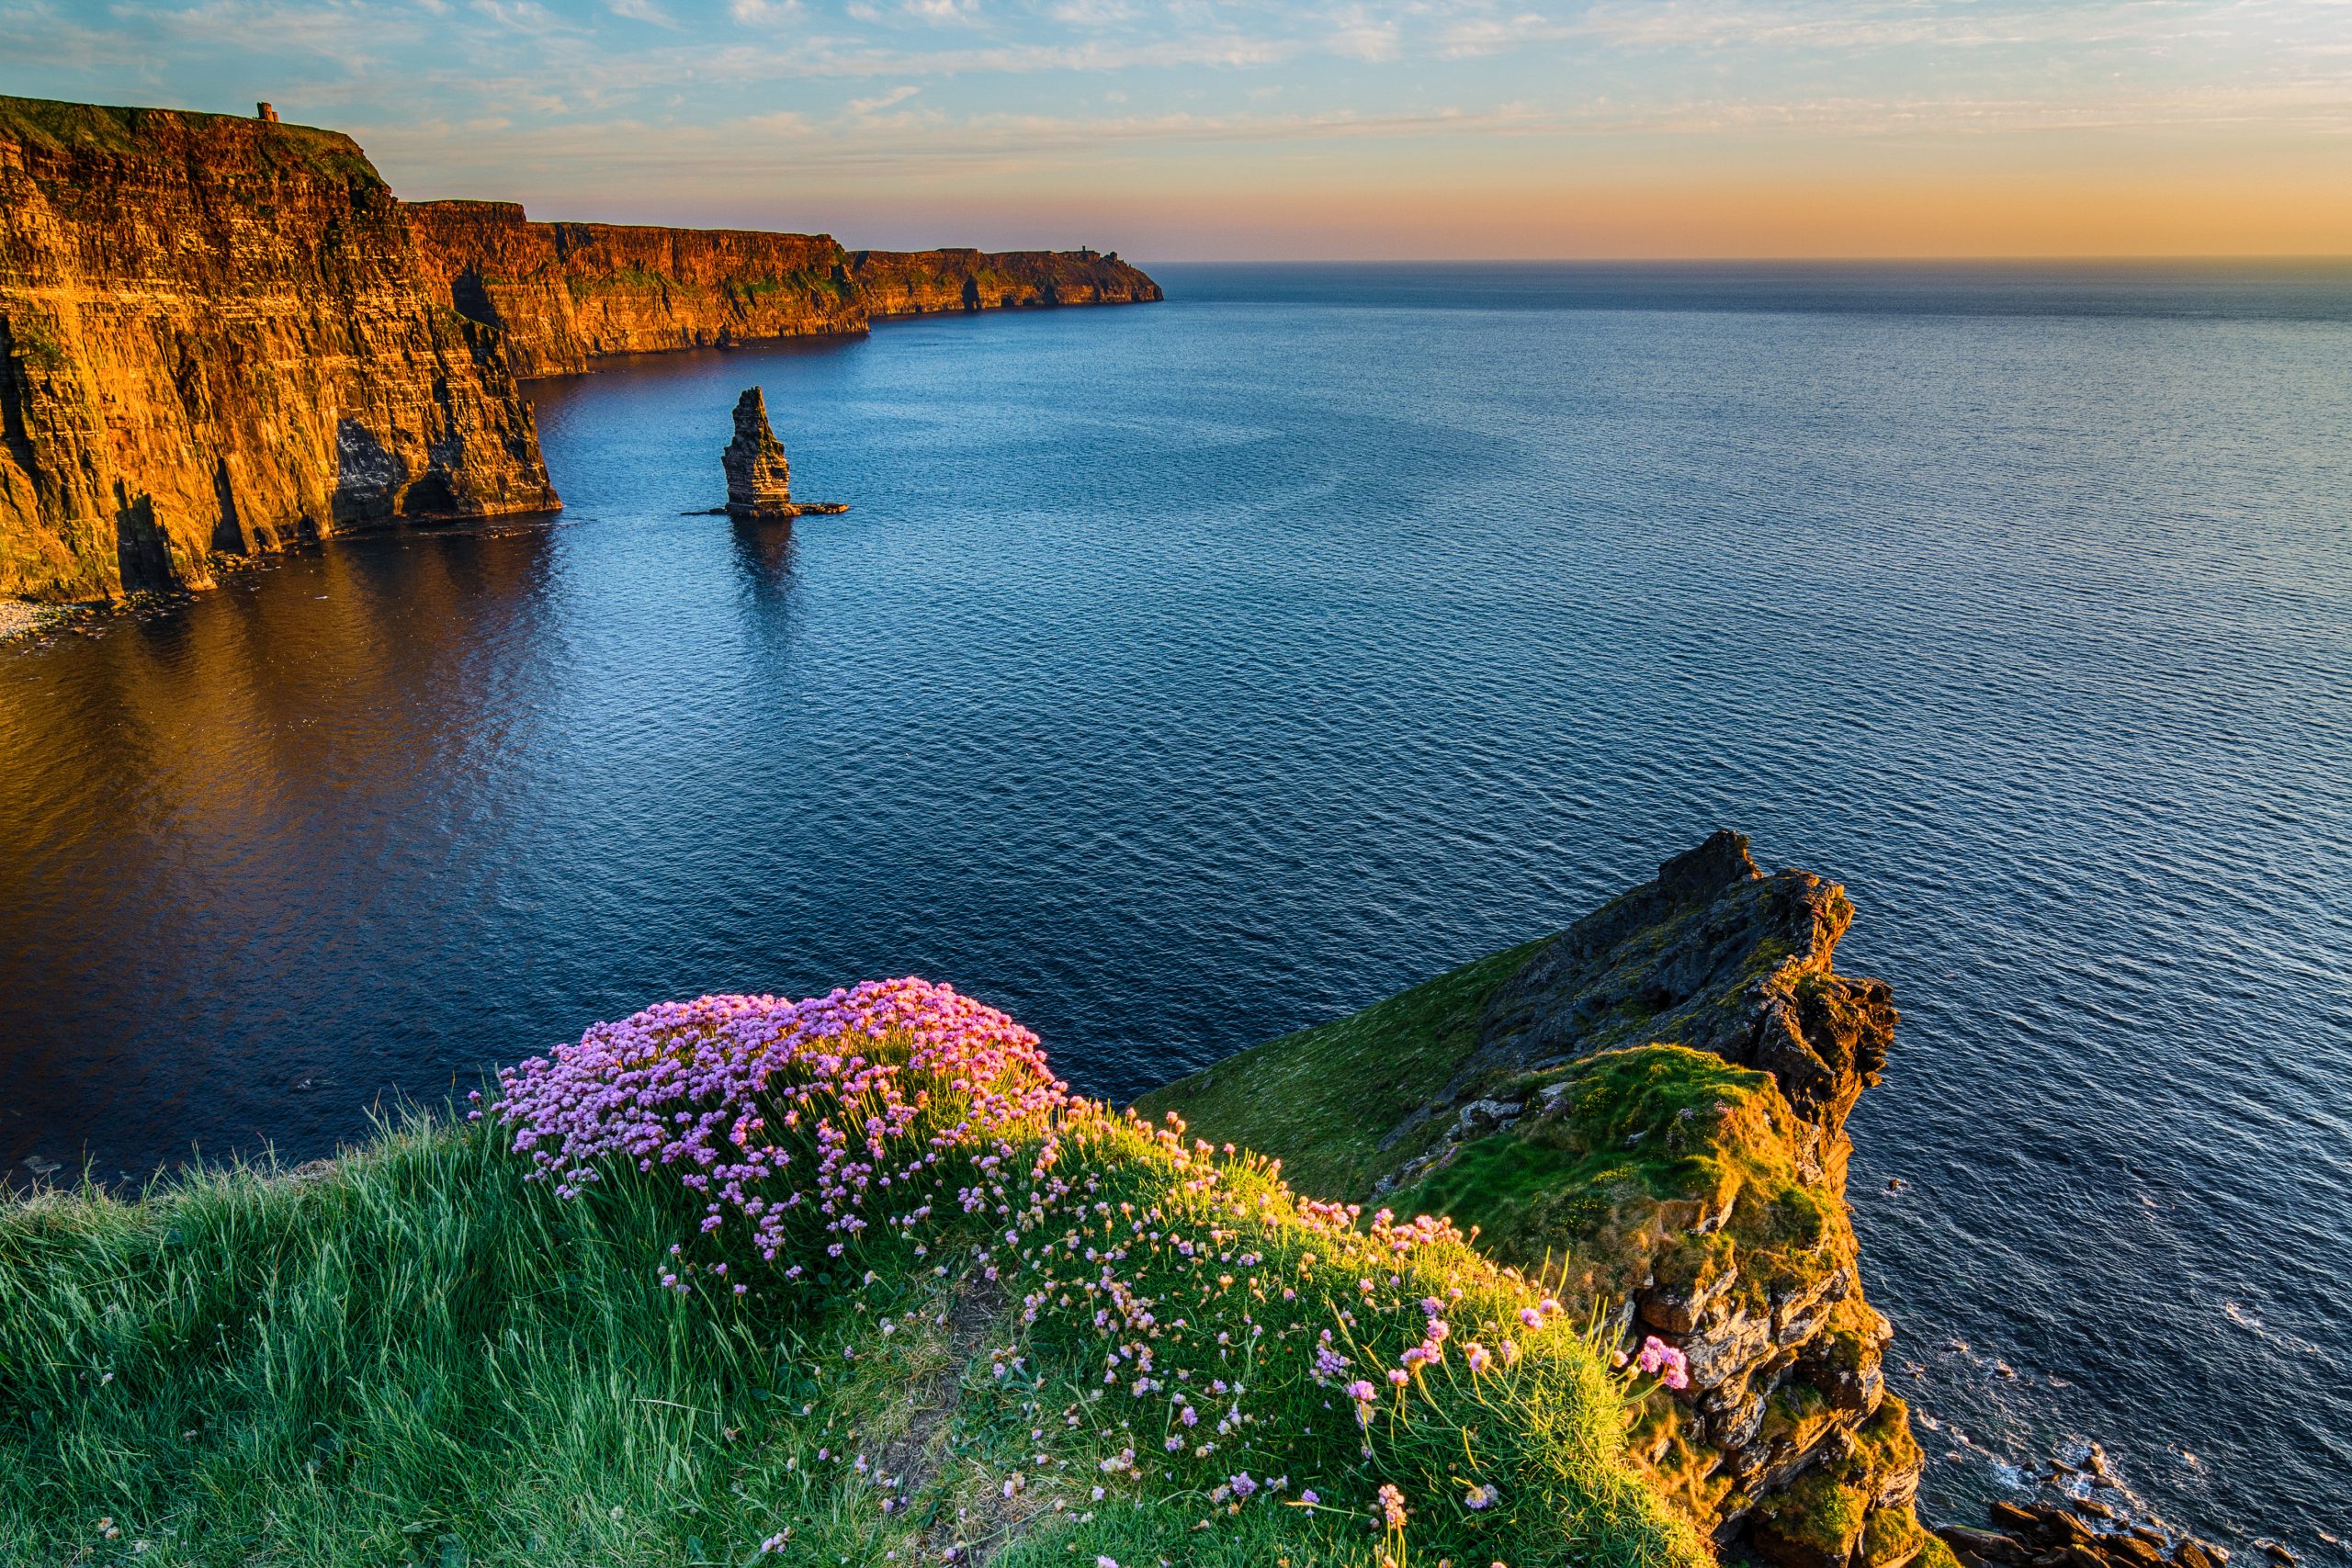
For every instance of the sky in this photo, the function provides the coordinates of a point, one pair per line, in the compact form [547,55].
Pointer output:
[1207,129]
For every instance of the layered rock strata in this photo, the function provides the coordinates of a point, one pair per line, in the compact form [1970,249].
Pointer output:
[215,337]
[564,294]
[759,479]
[1650,1107]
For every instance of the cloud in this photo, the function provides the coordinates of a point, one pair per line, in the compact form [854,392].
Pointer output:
[1364,35]
[778,122]
[641,11]
[520,16]
[945,11]
[895,95]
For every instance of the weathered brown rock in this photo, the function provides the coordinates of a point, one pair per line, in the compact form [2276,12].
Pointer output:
[566,293]
[1717,957]
[759,480]
[1650,1107]
[215,337]
[2046,1534]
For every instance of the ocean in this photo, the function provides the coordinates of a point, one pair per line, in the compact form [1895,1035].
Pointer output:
[1187,673]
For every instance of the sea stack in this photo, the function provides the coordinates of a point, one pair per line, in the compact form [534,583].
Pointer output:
[759,480]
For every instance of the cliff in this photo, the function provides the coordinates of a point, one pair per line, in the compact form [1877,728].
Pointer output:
[921,283]
[1650,1106]
[215,337]
[219,335]
[563,294]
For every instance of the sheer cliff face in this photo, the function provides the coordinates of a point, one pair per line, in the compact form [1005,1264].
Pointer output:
[215,337]
[565,293]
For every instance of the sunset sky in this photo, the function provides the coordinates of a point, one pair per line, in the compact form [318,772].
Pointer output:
[1207,130]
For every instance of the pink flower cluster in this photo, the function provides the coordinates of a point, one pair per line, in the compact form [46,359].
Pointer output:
[1673,1368]
[857,1105]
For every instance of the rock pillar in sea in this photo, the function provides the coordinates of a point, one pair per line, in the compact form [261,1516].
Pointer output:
[759,480]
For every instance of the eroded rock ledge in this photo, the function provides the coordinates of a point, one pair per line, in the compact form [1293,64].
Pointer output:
[1651,1107]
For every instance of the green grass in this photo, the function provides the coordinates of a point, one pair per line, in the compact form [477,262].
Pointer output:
[1639,1146]
[57,126]
[418,1357]
[1323,1099]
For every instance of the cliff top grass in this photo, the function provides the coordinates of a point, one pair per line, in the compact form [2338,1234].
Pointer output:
[1324,1099]
[1655,1160]
[58,127]
[560,1335]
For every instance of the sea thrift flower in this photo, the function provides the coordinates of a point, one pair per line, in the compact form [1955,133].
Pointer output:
[1392,1507]
[1672,1366]
[792,1123]
[1480,1499]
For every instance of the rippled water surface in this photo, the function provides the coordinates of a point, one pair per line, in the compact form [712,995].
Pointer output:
[1191,672]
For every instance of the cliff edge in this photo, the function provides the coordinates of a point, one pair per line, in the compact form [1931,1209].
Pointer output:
[1650,1107]
[215,337]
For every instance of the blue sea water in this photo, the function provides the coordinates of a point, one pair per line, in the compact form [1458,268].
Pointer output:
[1189,673]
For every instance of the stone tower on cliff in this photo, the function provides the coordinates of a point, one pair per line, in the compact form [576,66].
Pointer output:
[759,480]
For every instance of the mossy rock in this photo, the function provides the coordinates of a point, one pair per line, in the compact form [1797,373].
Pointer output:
[1653,1166]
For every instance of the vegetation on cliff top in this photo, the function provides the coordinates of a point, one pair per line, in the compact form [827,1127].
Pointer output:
[1325,1098]
[1061,1335]
[1645,1112]
[56,126]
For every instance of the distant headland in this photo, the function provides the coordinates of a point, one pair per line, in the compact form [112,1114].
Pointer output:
[220,335]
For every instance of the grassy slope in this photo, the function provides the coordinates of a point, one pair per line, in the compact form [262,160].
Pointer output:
[418,1358]
[58,125]
[1324,1098]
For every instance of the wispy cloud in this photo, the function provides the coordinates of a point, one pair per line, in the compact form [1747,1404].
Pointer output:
[898,94]
[641,11]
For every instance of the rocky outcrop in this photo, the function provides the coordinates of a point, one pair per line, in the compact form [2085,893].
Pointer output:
[1726,1232]
[216,336]
[759,480]
[1650,1107]
[2088,1533]
[564,294]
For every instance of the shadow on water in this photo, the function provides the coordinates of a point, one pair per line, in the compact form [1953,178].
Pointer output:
[763,552]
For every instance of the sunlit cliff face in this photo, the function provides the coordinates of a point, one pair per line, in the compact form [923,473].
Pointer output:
[1458,128]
